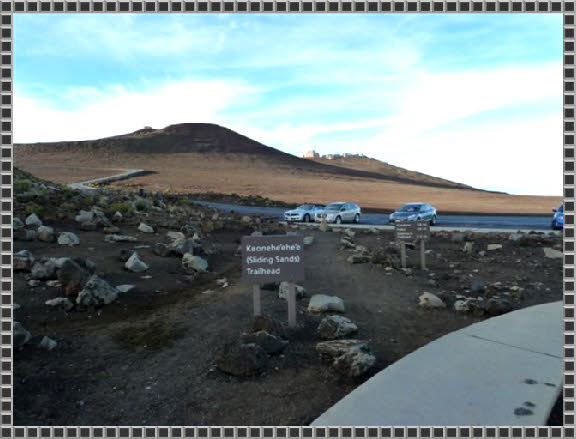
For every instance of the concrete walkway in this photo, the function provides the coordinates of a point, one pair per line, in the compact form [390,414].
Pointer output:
[506,370]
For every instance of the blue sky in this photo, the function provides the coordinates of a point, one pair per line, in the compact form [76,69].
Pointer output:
[475,98]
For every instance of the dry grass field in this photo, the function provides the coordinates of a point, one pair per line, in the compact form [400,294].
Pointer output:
[197,158]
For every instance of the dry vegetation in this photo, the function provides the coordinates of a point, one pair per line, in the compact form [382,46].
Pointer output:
[201,158]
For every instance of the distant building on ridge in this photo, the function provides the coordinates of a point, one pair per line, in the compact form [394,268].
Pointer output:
[311,155]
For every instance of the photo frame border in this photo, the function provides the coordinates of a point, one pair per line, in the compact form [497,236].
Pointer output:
[8,8]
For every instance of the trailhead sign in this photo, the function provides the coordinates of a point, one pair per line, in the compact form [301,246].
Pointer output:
[273,258]
[412,230]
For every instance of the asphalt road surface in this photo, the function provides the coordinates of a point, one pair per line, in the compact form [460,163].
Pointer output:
[512,222]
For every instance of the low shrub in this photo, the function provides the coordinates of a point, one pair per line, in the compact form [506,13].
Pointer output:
[22,185]
[34,208]
[125,208]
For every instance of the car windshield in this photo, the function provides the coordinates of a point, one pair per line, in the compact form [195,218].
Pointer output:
[306,207]
[410,208]
[334,206]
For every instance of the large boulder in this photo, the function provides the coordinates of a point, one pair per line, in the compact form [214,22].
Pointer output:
[478,286]
[33,221]
[73,276]
[347,243]
[97,292]
[47,343]
[46,234]
[21,336]
[468,247]
[135,264]
[386,256]
[62,302]
[68,238]
[552,253]
[323,303]
[176,236]
[332,327]
[270,343]
[194,263]
[184,246]
[111,230]
[161,249]
[119,238]
[125,254]
[284,288]
[242,360]
[351,358]
[25,235]
[43,270]
[269,325]
[308,240]
[188,229]
[349,233]
[145,228]
[429,300]
[23,261]
[17,223]
[496,306]
[85,216]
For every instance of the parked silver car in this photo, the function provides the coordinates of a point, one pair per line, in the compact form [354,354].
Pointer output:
[339,212]
[413,212]
[304,212]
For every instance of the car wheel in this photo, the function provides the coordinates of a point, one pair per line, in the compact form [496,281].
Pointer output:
[433,220]
[338,220]
[306,218]
[357,218]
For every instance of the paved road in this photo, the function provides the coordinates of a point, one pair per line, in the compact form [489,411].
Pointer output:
[128,173]
[510,222]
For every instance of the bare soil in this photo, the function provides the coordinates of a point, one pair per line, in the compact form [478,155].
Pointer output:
[200,158]
[149,358]
[199,173]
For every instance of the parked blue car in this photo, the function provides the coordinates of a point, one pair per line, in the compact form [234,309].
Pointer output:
[558,218]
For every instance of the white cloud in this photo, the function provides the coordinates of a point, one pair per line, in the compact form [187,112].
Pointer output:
[117,110]
[519,156]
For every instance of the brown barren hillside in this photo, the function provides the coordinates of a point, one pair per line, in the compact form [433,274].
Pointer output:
[368,164]
[206,157]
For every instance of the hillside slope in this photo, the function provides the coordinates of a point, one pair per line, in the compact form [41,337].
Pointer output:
[201,158]
[202,138]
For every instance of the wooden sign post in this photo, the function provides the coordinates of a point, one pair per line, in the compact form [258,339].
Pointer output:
[273,258]
[257,300]
[412,231]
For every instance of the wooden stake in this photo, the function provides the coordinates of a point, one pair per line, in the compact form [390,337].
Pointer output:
[291,305]
[403,253]
[257,301]
[422,255]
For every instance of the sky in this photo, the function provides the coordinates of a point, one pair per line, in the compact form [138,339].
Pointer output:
[473,98]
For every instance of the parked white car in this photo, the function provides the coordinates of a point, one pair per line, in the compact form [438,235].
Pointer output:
[339,212]
[305,212]
[414,212]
